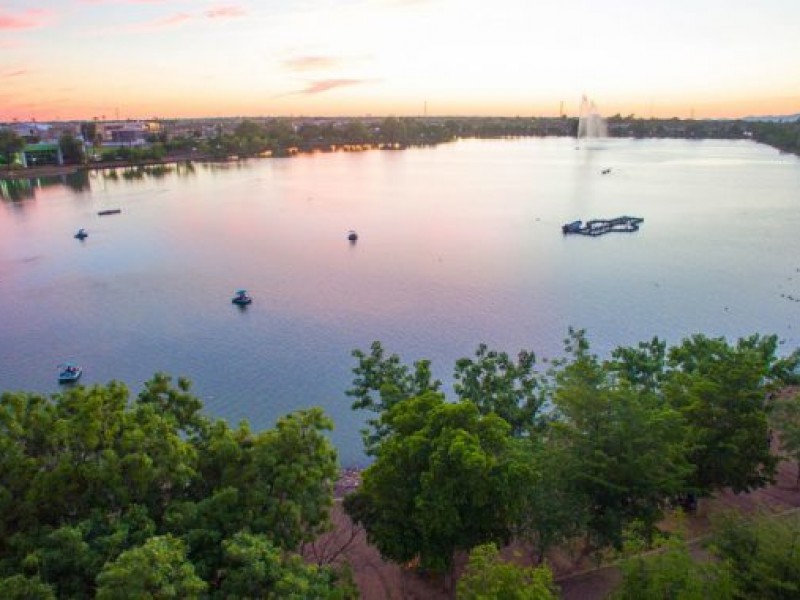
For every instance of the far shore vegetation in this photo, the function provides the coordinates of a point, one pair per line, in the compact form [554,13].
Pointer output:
[103,495]
[83,145]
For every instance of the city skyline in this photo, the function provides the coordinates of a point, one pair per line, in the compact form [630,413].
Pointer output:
[84,59]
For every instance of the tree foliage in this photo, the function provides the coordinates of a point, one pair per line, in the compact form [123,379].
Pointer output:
[626,447]
[672,573]
[488,577]
[10,144]
[590,446]
[721,390]
[764,555]
[439,482]
[98,492]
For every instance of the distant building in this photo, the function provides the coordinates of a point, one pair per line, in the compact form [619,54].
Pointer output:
[31,131]
[125,133]
[42,153]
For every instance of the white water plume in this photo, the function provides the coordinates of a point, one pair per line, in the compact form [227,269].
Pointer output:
[591,124]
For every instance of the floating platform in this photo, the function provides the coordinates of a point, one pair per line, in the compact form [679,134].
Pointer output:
[597,227]
[110,211]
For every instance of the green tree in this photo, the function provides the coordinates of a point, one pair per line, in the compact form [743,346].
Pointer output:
[88,131]
[488,577]
[254,568]
[721,391]
[439,482]
[71,148]
[87,476]
[19,587]
[10,144]
[628,452]
[764,555]
[550,507]
[382,381]
[157,569]
[672,573]
[498,384]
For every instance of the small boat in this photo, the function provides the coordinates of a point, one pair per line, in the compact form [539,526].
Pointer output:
[69,373]
[352,235]
[605,171]
[241,298]
[573,227]
[82,234]
[110,211]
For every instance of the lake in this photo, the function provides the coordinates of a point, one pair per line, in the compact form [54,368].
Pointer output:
[458,244]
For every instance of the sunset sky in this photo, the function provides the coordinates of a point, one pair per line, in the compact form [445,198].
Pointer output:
[79,59]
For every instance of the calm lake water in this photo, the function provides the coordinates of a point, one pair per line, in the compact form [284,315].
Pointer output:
[459,244]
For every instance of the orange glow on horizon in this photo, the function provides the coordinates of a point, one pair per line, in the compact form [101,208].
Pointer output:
[176,59]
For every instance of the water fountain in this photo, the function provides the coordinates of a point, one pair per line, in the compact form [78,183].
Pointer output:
[590,124]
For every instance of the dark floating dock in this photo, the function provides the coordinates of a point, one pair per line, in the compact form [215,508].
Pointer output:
[110,211]
[597,227]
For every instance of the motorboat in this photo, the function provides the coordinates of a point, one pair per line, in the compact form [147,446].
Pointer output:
[352,235]
[69,373]
[241,298]
[82,234]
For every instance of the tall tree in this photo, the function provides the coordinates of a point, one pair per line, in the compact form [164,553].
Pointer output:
[10,144]
[721,391]
[627,447]
[71,148]
[439,482]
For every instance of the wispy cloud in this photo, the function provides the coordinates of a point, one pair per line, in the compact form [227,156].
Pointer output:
[221,12]
[225,12]
[325,85]
[27,19]
[311,63]
[13,73]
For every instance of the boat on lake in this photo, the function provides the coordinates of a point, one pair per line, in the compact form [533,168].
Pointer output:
[242,298]
[69,373]
[82,234]
[352,235]
[110,211]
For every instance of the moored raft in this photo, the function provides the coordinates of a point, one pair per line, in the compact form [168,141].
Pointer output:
[597,227]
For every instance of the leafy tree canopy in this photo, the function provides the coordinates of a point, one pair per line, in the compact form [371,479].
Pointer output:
[100,494]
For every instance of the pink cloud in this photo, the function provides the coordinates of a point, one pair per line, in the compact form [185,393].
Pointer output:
[324,85]
[225,12]
[15,73]
[311,63]
[27,19]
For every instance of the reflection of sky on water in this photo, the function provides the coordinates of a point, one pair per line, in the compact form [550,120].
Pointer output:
[457,245]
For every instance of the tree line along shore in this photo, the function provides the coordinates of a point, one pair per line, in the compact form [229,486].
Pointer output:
[82,146]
